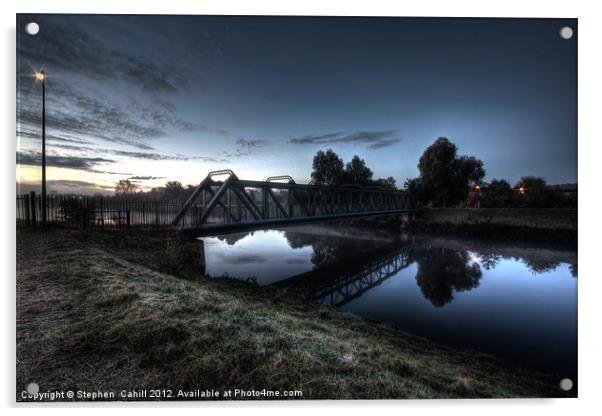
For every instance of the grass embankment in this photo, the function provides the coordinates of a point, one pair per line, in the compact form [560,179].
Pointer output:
[539,224]
[111,311]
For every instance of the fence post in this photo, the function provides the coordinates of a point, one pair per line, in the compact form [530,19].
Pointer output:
[157,214]
[102,213]
[32,198]
[26,209]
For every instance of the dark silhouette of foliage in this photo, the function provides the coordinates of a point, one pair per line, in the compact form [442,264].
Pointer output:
[441,271]
[356,172]
[327,168]
[387,183]
[533,192]
[173,190]
[540,267]
[125,187]
[497,194]
[445,178]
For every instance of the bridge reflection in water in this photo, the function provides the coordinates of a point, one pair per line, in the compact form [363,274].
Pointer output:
[340,283]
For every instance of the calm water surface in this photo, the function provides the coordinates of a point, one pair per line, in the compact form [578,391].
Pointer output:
[515,302]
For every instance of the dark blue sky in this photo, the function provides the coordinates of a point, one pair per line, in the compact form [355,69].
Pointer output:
[173,97]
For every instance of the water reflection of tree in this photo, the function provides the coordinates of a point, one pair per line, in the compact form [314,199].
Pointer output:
[441,271]
[329,250]
[233,238]
[489,261]
[539,266]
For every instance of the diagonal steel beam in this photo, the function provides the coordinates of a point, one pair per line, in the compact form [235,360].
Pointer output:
[204,183]
[300,202]
[216,199]
[247,202]
[278,204]
[221,204]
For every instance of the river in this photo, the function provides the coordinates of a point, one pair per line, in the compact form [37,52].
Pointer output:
[516,301]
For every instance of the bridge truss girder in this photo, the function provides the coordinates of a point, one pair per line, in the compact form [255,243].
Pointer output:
[245,202]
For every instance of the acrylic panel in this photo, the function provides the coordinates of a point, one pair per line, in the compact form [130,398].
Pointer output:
[294,208]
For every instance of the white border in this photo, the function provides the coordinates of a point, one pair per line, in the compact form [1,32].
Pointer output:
[590,153]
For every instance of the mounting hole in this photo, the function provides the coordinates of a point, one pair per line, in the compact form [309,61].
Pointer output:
[32,28]
[566,384]
[33,388]
[566,32]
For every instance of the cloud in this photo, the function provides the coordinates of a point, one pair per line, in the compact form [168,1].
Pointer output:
[70,162]
[372,139]
[90,163]
[24,132]
[383,143]
[246,147]
[76,184]
[145,178]
[64,45]
[159,156]
[87,114]
[65,186]
[76,115]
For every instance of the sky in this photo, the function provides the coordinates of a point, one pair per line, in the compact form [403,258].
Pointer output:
[157,98]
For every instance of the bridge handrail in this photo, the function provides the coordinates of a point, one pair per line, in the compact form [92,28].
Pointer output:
[221,172]
[281,177]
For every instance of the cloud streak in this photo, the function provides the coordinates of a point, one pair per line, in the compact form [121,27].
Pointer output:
[371,139]
[69,162]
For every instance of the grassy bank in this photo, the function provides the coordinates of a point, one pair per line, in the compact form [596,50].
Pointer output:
[539,224]
[112,311]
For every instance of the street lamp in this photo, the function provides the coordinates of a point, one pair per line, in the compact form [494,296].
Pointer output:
[40,76]
[477,189]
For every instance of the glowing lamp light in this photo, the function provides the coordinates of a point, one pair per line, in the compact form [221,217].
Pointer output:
[40,75]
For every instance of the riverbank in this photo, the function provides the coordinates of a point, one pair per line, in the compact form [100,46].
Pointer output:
[558,225]
[114,311]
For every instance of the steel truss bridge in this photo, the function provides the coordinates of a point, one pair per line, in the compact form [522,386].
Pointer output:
[343,282]
[234,203]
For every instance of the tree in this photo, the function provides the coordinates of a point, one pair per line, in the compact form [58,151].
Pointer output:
[413,186]
[387,183]
[187,193]
[125,187]
[497,194]
[445,178]
[533,192]
[357,172]
[327,168]
[173,190]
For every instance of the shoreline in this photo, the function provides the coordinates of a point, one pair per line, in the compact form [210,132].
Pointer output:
[555,226]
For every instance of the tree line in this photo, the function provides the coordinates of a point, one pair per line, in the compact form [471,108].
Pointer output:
[448,180]
[445,179]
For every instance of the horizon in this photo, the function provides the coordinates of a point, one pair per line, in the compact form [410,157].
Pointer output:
[158,98]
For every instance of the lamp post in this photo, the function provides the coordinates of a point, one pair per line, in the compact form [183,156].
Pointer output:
[41,76]
[477,189]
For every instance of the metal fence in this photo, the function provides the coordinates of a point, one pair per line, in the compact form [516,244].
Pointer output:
[81,211]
